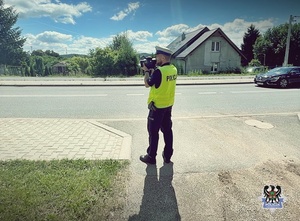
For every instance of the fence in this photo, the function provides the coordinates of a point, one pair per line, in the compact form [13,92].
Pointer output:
[11,70]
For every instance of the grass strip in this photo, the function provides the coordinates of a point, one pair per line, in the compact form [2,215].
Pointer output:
[59,189]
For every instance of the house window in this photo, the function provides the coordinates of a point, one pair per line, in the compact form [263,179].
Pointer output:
[215,46]
[214,67]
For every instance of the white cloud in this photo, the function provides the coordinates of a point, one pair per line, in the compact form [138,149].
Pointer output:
[53,37]
[62,43]
[143,41]
[167,35]
[33,43]
[140,36]
[132,7]
[83,44]
[148,47]
[59,12]
[173,31]
[235,30]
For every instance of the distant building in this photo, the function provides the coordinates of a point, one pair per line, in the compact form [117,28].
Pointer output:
[209,51]
[59,68]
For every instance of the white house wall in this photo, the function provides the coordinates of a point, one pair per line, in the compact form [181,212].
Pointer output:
[195,60]
[229,58]
[180,64]
[202,58]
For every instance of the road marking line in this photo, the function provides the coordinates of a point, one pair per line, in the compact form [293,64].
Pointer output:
[135,94]
[59,95]
[204,93]
[246,92]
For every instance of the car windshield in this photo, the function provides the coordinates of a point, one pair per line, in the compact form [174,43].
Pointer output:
[279,70]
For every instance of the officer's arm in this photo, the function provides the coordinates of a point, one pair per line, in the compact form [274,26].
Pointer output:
[150,77]
[146,79]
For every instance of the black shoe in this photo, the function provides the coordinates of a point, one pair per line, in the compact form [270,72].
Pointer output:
[165,159]
[147,159]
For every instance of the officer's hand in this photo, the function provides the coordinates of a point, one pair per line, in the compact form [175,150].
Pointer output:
[145,68]
[151,106]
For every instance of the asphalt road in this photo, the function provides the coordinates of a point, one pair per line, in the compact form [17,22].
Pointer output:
[130,102]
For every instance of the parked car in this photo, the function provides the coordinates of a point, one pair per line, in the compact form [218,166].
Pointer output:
[253,69]
[281,77]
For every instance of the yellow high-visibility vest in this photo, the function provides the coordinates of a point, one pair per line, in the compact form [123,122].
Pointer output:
[163,96]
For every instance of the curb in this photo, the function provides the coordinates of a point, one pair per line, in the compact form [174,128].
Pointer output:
[125,153]
[119,83]
[114,85]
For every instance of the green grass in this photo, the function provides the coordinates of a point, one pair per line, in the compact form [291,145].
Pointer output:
[61,189]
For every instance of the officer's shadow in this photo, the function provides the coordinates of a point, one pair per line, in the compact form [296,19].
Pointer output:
[159,201]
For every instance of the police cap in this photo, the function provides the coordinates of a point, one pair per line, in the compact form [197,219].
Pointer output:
[163,50]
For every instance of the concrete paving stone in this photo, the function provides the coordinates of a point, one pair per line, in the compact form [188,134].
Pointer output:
[105,154]
[47,139]
[80,156]
[68,146]
[98,156]
[65,148]
[81,152]
[98,151]
[37,148]
[108,148]
[89,155]
[71,155]
[93,148]
[31,156]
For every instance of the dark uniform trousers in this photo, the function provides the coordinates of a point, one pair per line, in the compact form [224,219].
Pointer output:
[160,119]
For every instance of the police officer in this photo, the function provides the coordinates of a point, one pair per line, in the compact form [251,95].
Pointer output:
[162,81]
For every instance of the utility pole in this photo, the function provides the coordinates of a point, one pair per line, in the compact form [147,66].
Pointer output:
[287,48]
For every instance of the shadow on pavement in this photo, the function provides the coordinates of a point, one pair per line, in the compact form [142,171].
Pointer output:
[159,200]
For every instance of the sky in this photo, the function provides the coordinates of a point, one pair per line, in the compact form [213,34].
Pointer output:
[76,26]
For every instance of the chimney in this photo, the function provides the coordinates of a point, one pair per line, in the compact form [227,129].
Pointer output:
[182,36]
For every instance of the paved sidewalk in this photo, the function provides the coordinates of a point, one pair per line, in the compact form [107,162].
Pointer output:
[47,139]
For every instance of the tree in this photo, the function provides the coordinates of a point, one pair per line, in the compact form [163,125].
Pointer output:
[294,54]
[81,63]
[273,43]
[126,60]
[249,40]
[47,73]
[38,53]
[39,66]
[40,60]
[102,61]
[117,58]
[254,62]
[51,53]
[32,70]
[11,42]
[27,71]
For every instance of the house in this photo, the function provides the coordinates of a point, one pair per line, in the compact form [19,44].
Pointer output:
[209,51]
[59,68]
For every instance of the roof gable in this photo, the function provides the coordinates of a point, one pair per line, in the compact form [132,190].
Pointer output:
[180,43]
[196,44]
[60,64]
[183,48]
